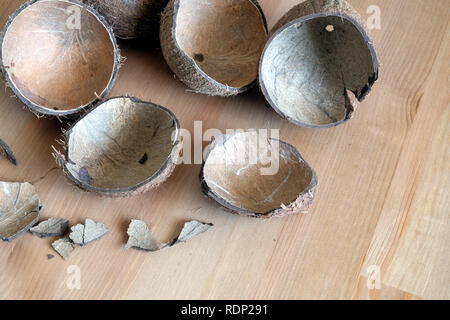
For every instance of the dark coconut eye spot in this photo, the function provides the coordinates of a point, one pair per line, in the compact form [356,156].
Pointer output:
[144,159]
[199,57]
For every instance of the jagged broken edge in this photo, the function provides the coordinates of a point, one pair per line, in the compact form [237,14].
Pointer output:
[288,20]
[167,168]
[307,195]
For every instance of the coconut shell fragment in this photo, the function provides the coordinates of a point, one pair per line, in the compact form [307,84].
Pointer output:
[132,19]
[6,152]
[140,236]
[256,176]
[58,56]
[190,230]
[214,46]
[318,64]
[19,209]
[122,147]
[89,232]
[64,247]
[52,227]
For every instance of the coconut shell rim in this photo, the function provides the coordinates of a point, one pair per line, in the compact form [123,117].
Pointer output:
[27,227]
[350,108]
[8,152]
[233,90]
[47,111]
[119,191]
[207,191]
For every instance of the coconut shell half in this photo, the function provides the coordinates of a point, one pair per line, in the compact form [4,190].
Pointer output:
[235,174]
[318,63]
[131,19]
[214,46]
[122,147]
[58,56]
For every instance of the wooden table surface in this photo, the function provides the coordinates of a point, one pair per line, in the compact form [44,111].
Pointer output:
[383,202]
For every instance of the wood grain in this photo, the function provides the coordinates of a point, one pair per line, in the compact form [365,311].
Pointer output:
[383,199]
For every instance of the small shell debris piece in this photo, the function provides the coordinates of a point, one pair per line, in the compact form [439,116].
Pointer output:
[64,247]
[52,227]
[19,209]
[190,230]
[77,234]
[89,232]
[6,151]
[140,236]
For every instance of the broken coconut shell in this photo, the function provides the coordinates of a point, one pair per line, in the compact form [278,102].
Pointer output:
[140,236]
[89,232]
[240,176]
[214,46]
[64,247]
[58,56]
[6,152]
[131,19]
[190,230]
[122,147]
[319,56]
[19,209]
[52,227]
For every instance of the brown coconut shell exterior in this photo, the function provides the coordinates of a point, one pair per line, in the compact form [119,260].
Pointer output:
[295,207]
[151,183]
[132,19]
[39,110]
[311,9]
[184,67]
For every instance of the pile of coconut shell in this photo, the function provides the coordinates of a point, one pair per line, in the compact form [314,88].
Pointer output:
[313,67]
[61,58]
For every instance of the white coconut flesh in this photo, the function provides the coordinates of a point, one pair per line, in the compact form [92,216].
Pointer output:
[120,144]
[224,38]
[241,170]
[58,55]
[309,68]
